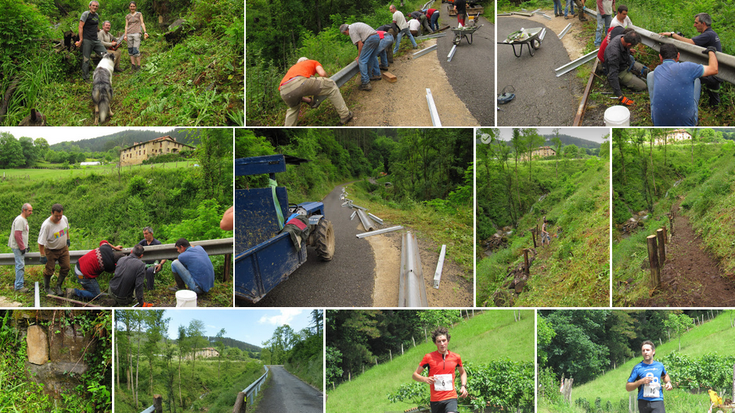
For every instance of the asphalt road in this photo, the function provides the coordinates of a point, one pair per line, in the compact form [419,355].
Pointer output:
[287,394]
[471,70]
[542,99]
[346,281]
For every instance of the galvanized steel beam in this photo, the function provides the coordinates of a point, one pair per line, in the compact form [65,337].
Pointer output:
[412,274]
[341,78]
[376,219]
[451,53]
[424,51]
[565,31]
[432,109]
[576,63]
[367,224]
[379,231]
[434,35]
[439,267]
[154,252]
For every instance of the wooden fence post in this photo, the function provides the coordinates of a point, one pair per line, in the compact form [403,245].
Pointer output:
[653,260]
[533,235]
[525,260]
[661,237]
[671,223]
[241,405]
[228,267]
[158,403]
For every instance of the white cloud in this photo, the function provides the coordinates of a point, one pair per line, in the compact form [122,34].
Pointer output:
[285,317]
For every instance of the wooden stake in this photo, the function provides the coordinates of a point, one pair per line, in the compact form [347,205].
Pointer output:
[158,403]
[666,235]
[671,223]
[533,235]
[653,260]
[525,260]
[660,237]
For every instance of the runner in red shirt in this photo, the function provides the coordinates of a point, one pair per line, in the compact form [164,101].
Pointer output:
[442,364]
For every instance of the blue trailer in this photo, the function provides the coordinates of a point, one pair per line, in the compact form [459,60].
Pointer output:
[265,256]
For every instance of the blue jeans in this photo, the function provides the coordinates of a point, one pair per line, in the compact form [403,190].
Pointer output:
[179,268]
[368,61]
[384,44]
[400,35]
[603,23]
[570,3]
[558,9]
[19,268]
[90,286]
[434,23]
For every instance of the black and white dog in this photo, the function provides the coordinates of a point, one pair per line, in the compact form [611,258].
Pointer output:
[102,88]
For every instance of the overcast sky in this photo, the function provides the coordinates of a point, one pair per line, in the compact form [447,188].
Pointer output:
[63,134]
[250,326]
[590,134]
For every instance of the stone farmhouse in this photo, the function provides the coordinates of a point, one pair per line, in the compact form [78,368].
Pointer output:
[139,152]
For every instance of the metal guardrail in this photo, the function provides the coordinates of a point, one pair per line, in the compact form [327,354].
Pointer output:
[424,51]
[367,223]
[412,290]
[247,396]
[341,78]
[432,109]
[379,231]
[576,63]
[156,252]
[150,409]
[690,53]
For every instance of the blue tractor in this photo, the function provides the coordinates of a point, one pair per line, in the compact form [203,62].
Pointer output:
[267,248]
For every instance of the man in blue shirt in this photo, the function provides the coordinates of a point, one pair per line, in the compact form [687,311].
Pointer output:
[707,38]
[193,268]
[647,377]
[674,87]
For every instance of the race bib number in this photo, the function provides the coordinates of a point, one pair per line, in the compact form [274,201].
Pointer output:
[652,389]
[443,382]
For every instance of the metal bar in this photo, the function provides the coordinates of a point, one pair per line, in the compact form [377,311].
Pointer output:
[542,35]
[155,252]
[379,231]
[690,53]
[37,300]
[341,78]
[544,16]
[432,109]
[517,13]
[402,275]
[353,215]
[576,63]
[430,36]
[376,219]
[583,103]
[424,51]
[415,288]
[451,53]
[358,206]
[535,11]
[439,267]
[151,409]
[367,224]
[68,300]
[565,31]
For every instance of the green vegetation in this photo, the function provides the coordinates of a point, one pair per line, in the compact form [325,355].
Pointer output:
[192,75]
[92,394]
[696,173]
[705,361]
[399,340]
[429,172]
[291,29]
[513,196]
[301,352]
[116,204]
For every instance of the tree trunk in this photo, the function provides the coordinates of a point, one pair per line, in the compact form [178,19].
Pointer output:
[117,364]
[181,400]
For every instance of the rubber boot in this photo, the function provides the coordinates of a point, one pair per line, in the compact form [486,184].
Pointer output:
[47,284]
[179,283]
[59,283]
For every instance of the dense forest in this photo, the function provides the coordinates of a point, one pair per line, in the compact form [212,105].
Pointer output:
[414,172]
[149,362]
[280,33]
[598,349]
[516,192]
[191,67]
[657,179]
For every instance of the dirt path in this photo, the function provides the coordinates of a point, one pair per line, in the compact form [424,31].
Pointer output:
[691,277]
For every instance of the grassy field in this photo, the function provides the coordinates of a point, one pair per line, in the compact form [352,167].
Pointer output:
[714,336]
[81,171]
[479,340]
[573,270]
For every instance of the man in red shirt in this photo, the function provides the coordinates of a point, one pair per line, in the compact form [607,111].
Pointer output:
[442,364]
[299,83]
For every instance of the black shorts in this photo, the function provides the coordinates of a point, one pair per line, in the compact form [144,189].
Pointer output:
[444,406]
[644,406]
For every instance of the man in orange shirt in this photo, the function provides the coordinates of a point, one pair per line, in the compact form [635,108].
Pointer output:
[299,83]
[442,365]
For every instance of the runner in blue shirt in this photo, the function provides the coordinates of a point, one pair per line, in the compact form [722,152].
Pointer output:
[647,377]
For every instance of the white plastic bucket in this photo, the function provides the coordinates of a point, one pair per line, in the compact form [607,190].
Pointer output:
[617,116]
[186,298]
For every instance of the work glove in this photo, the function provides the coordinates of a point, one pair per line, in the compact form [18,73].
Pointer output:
[68,242]
[644,71]
[709,49]
[23,252]
[147,304]
[625,101]
[44,260]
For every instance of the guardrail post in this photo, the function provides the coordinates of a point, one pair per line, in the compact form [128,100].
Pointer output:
[661,247]
[527,266]
[228,267]
[158,403]
[653,260]
[533,235]
[241,405]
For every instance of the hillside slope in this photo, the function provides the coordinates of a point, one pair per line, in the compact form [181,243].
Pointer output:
[482,339]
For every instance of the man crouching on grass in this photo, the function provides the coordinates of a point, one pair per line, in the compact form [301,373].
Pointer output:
[442,365]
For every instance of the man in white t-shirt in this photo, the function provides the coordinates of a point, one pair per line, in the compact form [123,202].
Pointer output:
[413,26]
[53,243]
[622,19]
[400,20]
[18,242]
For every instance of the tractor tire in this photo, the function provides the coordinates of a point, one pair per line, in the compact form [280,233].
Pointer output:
[324,240]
